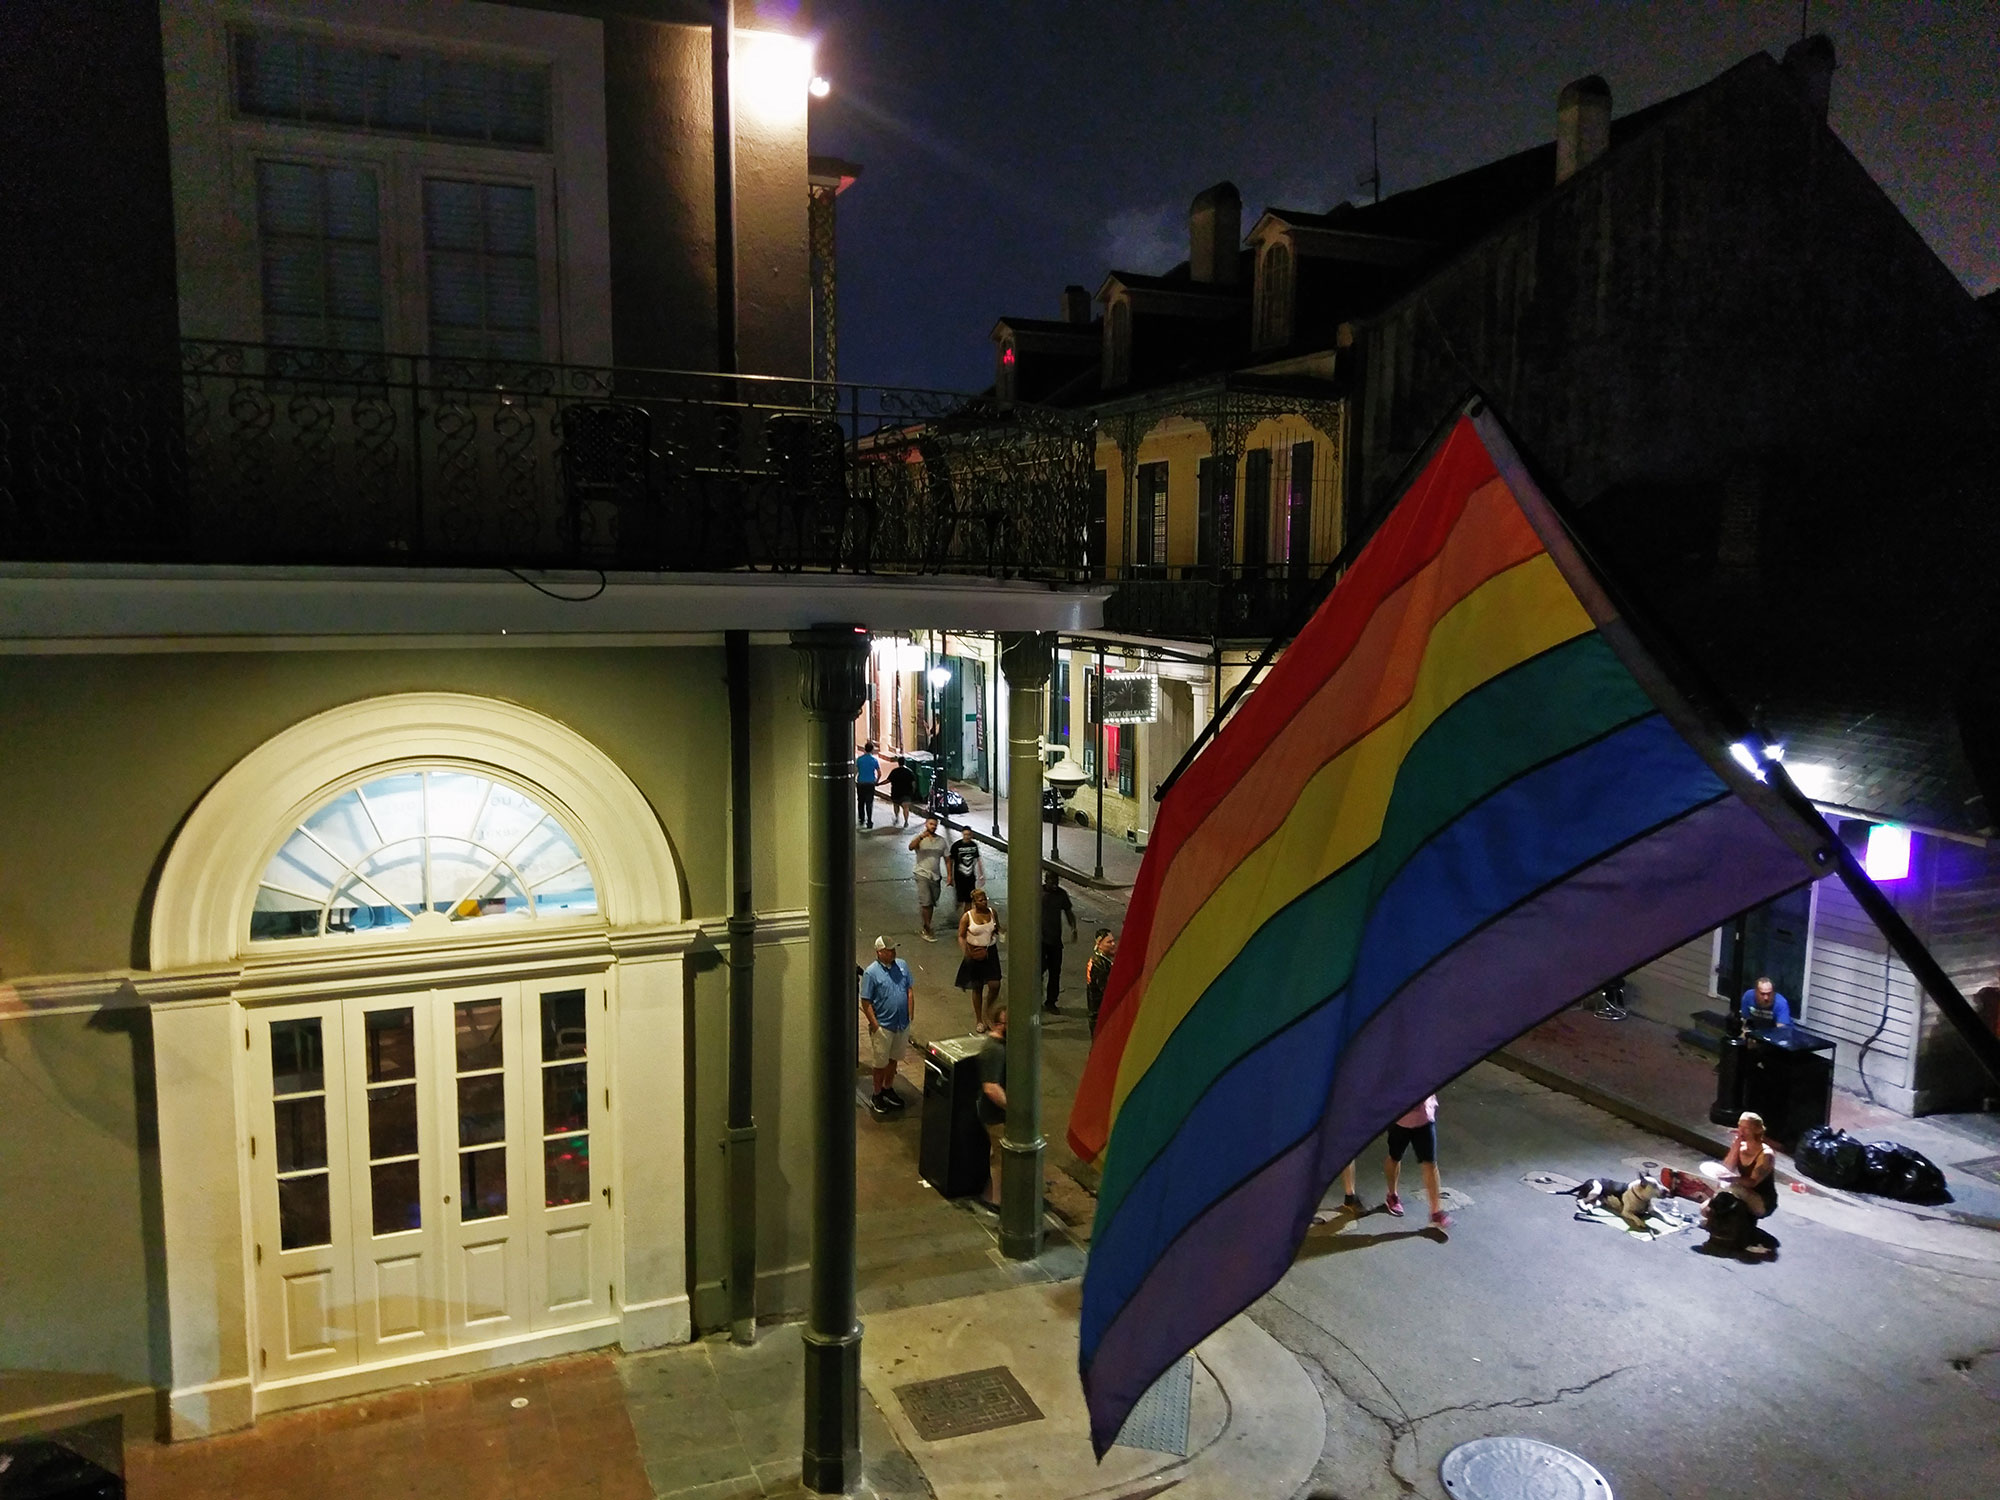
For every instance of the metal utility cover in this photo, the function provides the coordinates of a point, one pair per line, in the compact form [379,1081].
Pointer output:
[1987,1167]
[1518,1468]
[960,1405]
[1159,1419]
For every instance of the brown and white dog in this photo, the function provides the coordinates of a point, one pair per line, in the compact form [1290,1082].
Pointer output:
[1628,1200]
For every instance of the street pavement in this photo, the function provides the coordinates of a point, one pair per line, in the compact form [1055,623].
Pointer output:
[1845,1366]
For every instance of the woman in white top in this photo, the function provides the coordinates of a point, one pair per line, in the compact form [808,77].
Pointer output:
[979,970]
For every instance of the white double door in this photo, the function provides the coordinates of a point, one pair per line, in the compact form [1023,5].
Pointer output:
[429,1171]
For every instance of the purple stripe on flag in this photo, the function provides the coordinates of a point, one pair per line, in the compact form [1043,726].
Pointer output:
[1516,972]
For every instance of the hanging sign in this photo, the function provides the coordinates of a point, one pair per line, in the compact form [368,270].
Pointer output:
[1124,698]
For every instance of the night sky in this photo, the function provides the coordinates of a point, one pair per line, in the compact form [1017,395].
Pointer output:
[1012,146]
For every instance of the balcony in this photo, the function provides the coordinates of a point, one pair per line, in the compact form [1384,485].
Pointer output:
[253,454]
[1243,602]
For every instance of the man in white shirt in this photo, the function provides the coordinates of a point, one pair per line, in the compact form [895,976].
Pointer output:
[929,847]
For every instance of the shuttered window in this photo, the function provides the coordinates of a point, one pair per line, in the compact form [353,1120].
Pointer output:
[481,274]
[1298,507]
[1150,536]
[308,80]
[320,244]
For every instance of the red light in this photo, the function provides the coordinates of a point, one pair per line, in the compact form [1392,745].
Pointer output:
[1007,355]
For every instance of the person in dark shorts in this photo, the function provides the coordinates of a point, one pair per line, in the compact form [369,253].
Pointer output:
[992,1102]
[1056,909]
[902,791]
[1416,1126]
[979,970]
[1097,972]
[968,870]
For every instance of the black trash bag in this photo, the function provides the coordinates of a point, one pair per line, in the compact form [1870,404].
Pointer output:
[1896,1171]
[1833,1157]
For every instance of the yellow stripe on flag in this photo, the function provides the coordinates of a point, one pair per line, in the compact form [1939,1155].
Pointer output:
[1338,814]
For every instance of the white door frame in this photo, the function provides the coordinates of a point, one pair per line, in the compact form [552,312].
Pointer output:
[208,979]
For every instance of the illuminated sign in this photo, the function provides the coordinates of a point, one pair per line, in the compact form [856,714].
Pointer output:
[1124,698]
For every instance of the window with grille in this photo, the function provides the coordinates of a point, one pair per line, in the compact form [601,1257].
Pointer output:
[320,244]
[481,274]
[297,79]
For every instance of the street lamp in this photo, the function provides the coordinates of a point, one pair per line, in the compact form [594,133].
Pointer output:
[1064,777]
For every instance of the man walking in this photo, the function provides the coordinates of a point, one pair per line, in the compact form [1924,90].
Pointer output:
[1097,973]
[902,791]
[867,771]
[1056,908]
[929,847]
[888,998]
[968,870]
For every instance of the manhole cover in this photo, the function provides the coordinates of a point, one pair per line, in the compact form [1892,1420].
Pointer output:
[959,1405]
[1518,1468]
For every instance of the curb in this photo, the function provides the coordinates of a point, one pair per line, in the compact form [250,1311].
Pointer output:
[1695,1139]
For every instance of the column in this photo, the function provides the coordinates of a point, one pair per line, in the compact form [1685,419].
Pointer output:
[833,683]
[1026,657]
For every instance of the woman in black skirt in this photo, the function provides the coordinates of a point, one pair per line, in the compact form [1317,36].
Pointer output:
[979,970]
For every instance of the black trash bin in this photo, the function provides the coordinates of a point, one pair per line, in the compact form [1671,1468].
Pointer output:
[952,1151]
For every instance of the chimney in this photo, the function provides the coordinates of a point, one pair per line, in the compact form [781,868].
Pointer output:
[1076,306]
[1811,62]
[1583,125]
[1215,234]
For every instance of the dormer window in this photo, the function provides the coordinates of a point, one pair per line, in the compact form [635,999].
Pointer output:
[1274,296]
[1003,382]
[1117,342]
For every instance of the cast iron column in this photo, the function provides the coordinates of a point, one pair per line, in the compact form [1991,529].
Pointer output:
[1025,656]
[742,1003]
[833,682]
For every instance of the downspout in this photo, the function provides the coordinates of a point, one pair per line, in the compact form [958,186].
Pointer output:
[742,1140]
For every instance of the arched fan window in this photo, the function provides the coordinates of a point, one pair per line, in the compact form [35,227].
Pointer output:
[421,849]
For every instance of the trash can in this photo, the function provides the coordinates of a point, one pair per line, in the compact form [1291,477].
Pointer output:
[951,1149]
[919,761]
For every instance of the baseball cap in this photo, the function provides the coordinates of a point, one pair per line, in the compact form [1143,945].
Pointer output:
[882,942]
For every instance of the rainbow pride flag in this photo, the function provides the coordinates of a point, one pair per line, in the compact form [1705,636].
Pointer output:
[1461,799]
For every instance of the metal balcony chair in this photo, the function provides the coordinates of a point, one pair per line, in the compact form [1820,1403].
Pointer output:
[611,512]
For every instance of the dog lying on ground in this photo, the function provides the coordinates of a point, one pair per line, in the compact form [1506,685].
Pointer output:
[1628,1200]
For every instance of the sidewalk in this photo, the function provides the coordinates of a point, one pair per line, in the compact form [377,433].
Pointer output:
[1639,1069]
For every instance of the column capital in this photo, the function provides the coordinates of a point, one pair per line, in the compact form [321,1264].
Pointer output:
[1027,656]
[833,669]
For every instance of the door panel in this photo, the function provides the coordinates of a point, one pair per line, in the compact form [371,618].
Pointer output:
[300,1191]
[485,1192]
[395,1201]
[570,1252]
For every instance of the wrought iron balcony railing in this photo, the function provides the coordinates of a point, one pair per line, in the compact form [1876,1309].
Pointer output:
[246,453]
[1242,602]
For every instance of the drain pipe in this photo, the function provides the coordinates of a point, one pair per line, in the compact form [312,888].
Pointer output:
[742,1140]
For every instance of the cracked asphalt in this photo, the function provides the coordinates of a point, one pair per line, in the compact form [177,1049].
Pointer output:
[1844,1367]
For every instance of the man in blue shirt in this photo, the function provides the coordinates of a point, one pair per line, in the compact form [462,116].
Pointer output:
[1763,1007]
[867,771]
[888,998]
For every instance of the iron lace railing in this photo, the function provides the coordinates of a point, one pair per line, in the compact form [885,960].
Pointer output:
[255,454]
[1243,602]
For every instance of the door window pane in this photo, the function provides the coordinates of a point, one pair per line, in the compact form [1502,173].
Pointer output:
[391,1041]
[477,1027]
[482,1109]
[565,1098]
[562,1026]
[321,254]
[393,1186]
[301,1131]
[483,1183]
[566,1170]
[392,1121]
[305,1217]
[298,1066]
